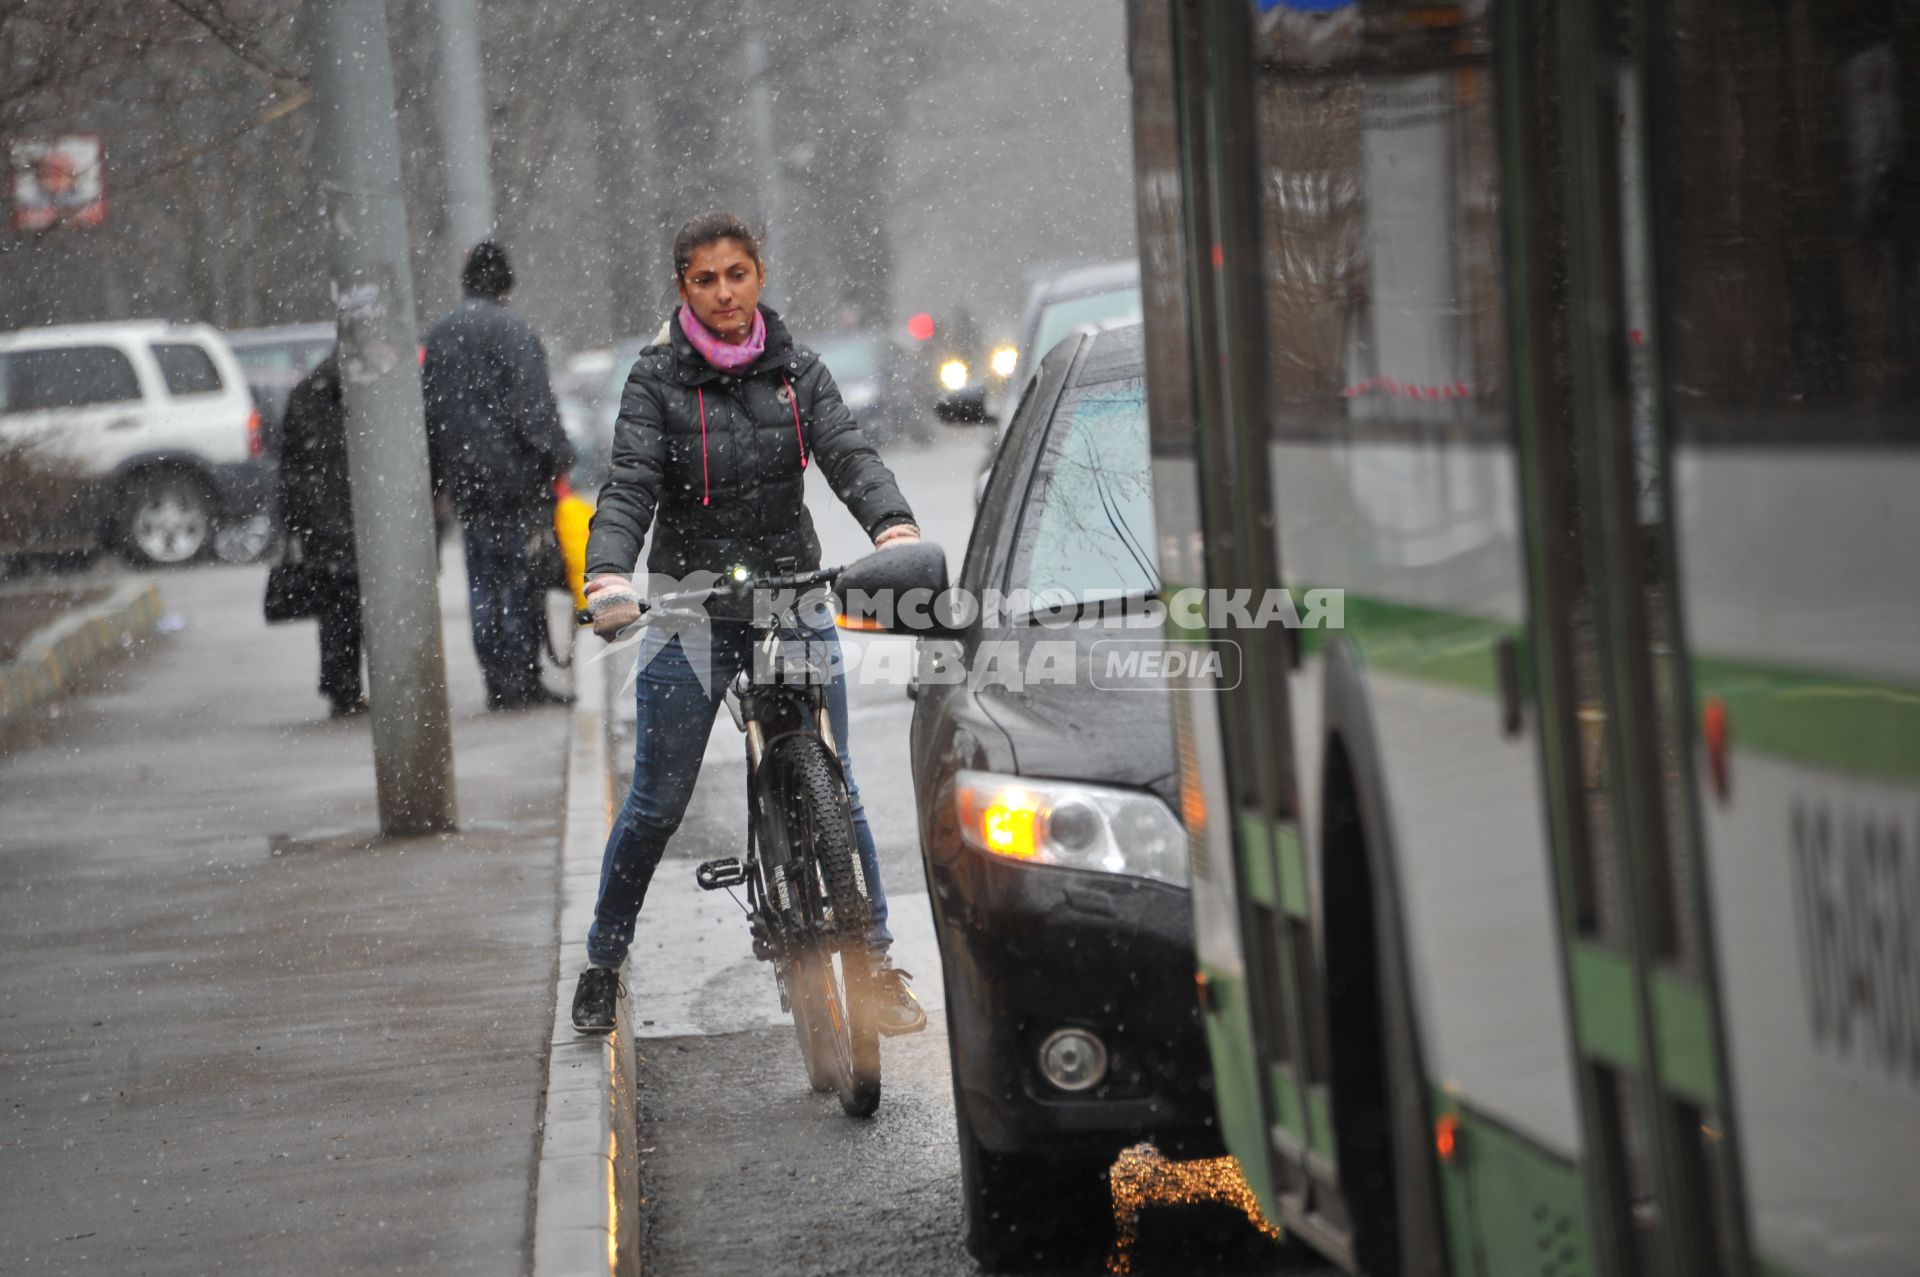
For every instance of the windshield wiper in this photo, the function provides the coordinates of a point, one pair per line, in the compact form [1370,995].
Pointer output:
[1121,528]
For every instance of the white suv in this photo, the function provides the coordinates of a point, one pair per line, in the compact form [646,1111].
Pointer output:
[151,421]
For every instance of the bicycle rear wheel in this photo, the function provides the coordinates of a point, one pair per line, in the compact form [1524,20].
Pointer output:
[830,977]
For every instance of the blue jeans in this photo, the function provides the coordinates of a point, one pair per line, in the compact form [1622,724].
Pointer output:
[505,603]
[674,719]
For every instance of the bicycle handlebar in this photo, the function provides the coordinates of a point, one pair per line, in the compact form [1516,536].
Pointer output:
[727,585]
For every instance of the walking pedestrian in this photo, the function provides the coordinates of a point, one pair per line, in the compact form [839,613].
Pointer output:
[316,507]
[493,428]
[716,428]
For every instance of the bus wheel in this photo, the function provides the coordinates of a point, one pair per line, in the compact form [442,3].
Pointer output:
[1382,1121]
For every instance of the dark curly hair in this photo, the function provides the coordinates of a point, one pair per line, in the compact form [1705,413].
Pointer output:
[711,228]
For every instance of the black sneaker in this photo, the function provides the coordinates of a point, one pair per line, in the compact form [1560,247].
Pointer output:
[594,999]
[348,708]
[899,1011]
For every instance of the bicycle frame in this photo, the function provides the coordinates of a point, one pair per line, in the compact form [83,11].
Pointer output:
[792,700]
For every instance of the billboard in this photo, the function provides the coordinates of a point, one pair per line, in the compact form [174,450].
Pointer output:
[58,181]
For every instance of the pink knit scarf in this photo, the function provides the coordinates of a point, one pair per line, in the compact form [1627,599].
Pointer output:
[725,357]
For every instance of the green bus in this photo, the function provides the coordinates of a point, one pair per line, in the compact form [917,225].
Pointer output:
[1559,911]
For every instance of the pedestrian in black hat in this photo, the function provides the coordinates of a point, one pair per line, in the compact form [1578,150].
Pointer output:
[494,430]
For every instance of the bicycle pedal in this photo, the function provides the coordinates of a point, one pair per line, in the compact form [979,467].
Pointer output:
[717,875]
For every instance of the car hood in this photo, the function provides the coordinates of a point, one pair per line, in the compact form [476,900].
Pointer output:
[1075,730]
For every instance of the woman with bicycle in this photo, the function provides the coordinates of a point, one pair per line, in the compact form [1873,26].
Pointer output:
[717,426]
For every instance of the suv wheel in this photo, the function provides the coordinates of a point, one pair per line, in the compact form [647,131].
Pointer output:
[243,540]
[166,519]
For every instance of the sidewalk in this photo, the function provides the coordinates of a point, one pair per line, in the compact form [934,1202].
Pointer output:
[238,1032]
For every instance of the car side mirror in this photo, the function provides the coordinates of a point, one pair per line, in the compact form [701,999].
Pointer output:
[965,406]
[901,590]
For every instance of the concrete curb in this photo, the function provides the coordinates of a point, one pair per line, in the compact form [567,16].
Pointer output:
[587,1195]
[55,655]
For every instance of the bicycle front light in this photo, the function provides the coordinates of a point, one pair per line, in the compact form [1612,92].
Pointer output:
[1046,822]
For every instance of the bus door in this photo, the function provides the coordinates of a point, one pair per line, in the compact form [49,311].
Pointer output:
[1196,157]
[1617,733]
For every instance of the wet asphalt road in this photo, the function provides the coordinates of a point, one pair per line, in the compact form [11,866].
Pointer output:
[744,1169]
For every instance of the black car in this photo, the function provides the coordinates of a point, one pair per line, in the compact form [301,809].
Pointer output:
[1044,774]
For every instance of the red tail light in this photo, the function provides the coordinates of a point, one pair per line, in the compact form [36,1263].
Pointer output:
[256,444]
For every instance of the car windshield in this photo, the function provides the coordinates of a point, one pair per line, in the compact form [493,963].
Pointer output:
[291,359]
[1087,533]
[850,358]
[1062,317]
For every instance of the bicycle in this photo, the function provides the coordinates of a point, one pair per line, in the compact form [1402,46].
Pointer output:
[807,899]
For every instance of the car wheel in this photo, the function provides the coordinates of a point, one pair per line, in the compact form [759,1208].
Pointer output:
[243,540]
[166,519]
[1023,1210]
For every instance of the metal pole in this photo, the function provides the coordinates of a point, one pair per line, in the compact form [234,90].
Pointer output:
[765,157]
[386,430]
[460,103]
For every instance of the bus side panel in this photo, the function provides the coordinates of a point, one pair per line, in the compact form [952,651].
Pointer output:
[1804,607]
[1787,227]
[1463,799]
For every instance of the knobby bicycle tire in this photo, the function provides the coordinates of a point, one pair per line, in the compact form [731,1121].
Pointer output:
[833,1001]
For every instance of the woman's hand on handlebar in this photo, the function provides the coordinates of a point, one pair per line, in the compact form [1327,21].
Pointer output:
[612,604]
[898,534]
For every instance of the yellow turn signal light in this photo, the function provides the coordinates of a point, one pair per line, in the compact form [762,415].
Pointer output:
[1004,820]
[1008,828]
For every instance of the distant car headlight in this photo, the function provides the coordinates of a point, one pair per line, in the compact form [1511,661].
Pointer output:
[1003,361]
[1047,822]
[954,374]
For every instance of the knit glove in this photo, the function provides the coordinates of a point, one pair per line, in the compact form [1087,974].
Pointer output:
[612,611]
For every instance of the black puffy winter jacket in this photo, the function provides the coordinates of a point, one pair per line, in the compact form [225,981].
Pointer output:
[493,428]
[718,457]
[316,496]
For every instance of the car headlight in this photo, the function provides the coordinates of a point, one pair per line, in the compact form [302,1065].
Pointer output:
[1004,360]
[1046,822]
[954,374]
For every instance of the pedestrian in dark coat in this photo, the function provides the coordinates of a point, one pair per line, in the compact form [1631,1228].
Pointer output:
[493,428]
[717,427]
[316,506]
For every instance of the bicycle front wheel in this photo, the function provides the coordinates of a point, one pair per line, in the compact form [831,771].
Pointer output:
[830,976]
